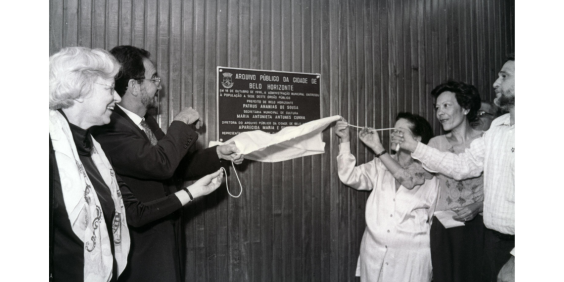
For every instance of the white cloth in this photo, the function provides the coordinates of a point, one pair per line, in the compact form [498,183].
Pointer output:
[289,143]
[446,218]
[83,207]
[494,154]
[395,246]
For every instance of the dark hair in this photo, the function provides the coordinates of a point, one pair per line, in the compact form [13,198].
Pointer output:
[419,126]
[510,57]
[466,95]
[131,60]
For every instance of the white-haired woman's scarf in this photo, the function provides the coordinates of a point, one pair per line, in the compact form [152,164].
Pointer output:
[82,205]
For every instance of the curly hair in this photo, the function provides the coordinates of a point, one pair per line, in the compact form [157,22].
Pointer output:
[74,70]
[419,126]
[466,95]
[131,60]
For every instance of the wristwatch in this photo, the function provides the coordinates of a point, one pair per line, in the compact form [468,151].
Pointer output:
[378,155]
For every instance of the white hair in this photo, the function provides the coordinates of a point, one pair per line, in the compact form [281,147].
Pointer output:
[74,70]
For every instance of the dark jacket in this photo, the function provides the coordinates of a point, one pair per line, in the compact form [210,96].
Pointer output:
[149,172]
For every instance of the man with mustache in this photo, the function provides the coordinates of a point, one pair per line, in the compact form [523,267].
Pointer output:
[494,155]
[150,162]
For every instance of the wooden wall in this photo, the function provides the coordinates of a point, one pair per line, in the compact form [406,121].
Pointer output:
[295,221]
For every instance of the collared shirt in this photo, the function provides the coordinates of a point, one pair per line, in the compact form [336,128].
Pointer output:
[494,154]
[134,117]
[395,245]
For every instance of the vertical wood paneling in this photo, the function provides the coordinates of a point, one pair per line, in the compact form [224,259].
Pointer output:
[162,55]
[267,265]
[124,22]
[138,15]
[304,189]
[256,203]
[70,18]
[99,23]
[317,185]
[85,23]
[112,24]
[295,220]
[332,200]
[296,259]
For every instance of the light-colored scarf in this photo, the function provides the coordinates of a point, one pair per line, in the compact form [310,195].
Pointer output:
[83,207]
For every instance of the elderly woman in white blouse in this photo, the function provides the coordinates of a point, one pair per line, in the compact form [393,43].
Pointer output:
[395,246]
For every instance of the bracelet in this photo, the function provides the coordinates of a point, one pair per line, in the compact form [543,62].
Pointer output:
[189,194]
[381,154]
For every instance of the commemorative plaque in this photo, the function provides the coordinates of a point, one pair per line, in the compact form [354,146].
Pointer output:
[249,99]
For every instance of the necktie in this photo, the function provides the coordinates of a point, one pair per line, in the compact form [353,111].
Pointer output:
[149,133]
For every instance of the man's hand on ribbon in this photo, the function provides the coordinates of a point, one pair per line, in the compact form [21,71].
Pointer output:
[230,152]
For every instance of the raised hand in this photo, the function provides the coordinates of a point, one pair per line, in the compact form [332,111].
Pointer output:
[404,138]
[189,116]
[342,130]
[370,138]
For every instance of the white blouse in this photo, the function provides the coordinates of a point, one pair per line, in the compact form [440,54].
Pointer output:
[395,246]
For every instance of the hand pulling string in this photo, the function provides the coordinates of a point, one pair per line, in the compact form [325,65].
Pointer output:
[361,127]
[382,129]
[226,182]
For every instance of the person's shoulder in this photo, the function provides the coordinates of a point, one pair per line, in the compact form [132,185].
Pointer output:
[503,119]
[117,123]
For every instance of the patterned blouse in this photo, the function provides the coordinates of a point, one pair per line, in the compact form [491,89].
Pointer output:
[453,193]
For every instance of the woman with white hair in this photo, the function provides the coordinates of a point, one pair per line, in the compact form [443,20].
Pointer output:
[89,237]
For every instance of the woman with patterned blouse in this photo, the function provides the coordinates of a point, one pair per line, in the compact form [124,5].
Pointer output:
[456,252]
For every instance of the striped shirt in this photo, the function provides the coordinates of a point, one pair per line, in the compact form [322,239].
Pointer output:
[494,154]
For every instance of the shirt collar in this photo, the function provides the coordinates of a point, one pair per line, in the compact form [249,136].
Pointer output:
[133,116]
[505,119]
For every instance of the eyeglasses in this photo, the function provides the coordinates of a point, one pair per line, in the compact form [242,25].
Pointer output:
[482,113]
[155,80]
[111,87]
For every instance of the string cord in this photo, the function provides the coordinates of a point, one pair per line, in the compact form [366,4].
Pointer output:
[382,129]
[227,182]
[361,127]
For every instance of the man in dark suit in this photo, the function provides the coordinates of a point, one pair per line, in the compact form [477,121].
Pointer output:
[149,161]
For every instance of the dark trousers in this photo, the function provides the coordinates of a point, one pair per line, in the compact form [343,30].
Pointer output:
[457,253]
[496,253]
